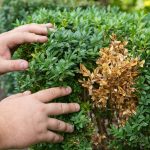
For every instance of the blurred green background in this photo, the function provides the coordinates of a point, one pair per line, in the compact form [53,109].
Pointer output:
[128,5]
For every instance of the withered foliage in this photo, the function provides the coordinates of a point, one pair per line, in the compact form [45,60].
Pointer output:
[111,84]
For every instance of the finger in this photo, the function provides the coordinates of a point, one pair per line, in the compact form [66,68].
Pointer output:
[61,108]
[57,125]
[53,137]
[12,65]
[6,54]
[40,29]
[52,93]
[48,25]
[18,38]
[19,94]
[52,29]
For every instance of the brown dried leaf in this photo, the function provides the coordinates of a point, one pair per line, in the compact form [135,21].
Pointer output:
[113,79]
[84,71]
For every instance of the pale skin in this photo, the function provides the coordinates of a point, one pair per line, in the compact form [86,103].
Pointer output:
[24,117]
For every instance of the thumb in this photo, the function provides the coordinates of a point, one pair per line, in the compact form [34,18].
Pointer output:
[12,65]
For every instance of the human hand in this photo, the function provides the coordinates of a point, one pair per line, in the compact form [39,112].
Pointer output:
[25,118]
[24,34]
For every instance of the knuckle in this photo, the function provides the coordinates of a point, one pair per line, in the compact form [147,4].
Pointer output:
[58,124]
[62,90]
[73,107]
[42,108]
[19,95]
[42,30]
[56,139]
[41,138]
[36,38]
[62,108]
[13,65]
[59,91]
[26,93]
[39,130]
[65,127]
[53,92]
[53,138]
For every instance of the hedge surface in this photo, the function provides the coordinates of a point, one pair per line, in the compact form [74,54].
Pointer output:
[78,37]
[11,10]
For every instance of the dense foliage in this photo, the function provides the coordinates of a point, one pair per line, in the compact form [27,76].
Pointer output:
[111,84]
[11,10]
[78,37]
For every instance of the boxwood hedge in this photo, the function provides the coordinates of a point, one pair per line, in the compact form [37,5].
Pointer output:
[78,37]
[11,10]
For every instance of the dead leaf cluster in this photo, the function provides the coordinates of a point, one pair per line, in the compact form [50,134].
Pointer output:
[111,84]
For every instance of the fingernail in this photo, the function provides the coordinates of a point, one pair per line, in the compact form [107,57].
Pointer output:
[71,128]
[77,107]
[52,29]
[49,25]
[68,89]
[41,39]
[24,65]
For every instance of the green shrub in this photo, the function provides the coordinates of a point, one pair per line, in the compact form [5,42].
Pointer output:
[78,37]
[11,10]
[17,9]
